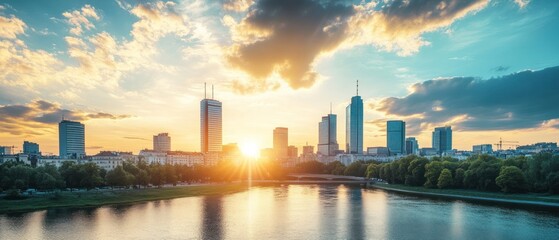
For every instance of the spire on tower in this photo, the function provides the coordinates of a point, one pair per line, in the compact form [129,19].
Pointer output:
[204,90]
[330,107]
[212,91]
[357,87]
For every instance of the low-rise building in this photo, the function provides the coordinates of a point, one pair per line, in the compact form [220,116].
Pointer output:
[153,157]
[107,160]
[185,158]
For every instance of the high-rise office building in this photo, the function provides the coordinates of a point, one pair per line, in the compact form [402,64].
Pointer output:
[327,140]
[354,125]
[412,147]
[162,142]
[210,124]
[31,148]
[396,137]
[280,143]
[71,139]
[442,139]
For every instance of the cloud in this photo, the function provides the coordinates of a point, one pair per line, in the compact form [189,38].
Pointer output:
[526,99]
[398,26]
[501,68]
[41,116]
[237,5]
[80,19]
[522,3]
[287,37]
[11,27]
[137,138]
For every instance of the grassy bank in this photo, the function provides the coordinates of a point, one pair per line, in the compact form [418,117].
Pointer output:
[100,198]
[528,199]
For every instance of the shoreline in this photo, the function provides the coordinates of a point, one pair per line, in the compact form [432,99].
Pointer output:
[115,197]
[501,201]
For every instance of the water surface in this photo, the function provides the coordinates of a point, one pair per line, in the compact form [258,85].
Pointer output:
[287,212]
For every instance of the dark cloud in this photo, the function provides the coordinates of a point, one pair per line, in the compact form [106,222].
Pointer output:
[522,100]
[285,37]
[41,116]
[289,35]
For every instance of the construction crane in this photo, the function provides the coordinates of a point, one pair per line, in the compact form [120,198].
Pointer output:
[500,144]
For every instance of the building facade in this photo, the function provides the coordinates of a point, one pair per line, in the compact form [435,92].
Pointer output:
[396,137]
[327,140]
[482,148]
[71,139]
[31,148]
[442,139]
[162,142]
[354,126]
[210,125]
[412,147]
[280,142]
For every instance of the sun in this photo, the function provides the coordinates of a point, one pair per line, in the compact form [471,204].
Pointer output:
[250,149]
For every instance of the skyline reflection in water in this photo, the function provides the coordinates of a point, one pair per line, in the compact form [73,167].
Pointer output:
[286,212]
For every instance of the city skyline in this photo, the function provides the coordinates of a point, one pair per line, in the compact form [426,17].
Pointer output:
[73,60]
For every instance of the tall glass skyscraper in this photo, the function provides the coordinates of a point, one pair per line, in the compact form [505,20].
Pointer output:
[210,125]
[396,136]
[280,142]
[442,139]
[354,125]
[71,139]
[327,141]
[412,147]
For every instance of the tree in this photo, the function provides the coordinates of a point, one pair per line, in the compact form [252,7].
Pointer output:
[372,171]
[552,181]
[117,177]
[459,178]
[416,172]
[432,173]
[90,175]
[511,179]
[445,179]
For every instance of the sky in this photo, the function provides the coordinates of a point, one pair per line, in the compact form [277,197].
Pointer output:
[131,69]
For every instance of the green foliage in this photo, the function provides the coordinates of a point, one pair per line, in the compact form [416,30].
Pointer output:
[459,178]
[416,172]
[445,179]
[482,173]
[372,171]
[356,169]
[432,172]
[511,180]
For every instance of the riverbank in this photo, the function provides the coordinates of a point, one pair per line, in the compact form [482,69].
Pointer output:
[113,197]
[530,200]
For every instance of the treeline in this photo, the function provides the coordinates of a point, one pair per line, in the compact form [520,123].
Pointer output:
[19,176]
[539,173]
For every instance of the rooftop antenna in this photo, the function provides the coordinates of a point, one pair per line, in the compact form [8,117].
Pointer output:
[357,87]
[330,107]
[204,90]
[212,91]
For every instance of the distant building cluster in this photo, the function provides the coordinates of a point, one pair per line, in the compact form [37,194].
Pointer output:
[72,144]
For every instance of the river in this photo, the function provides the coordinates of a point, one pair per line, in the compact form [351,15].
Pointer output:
[286,212]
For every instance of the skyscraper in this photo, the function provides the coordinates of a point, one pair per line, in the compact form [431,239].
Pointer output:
[210,124]
[71,139]
[396,136]
[162,142]
[31,148]
[280,143]
[354,125]
[412,147]
[327,141]
[442,139]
